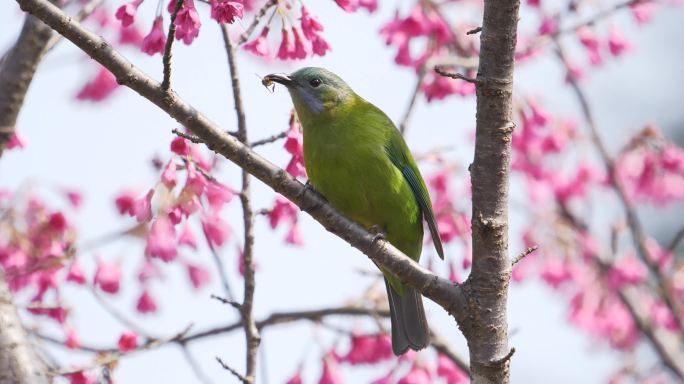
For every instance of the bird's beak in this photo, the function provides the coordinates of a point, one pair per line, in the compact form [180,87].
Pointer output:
[278,78]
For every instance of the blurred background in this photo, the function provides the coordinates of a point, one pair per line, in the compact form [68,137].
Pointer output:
[101,149]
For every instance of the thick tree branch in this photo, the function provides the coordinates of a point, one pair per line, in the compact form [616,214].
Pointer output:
[16,72]
[442,291]
[18,362]
[487,285]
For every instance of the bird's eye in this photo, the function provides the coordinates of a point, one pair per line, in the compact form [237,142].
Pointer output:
[315,82]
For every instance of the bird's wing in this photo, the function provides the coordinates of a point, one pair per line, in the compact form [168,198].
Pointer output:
[398,152]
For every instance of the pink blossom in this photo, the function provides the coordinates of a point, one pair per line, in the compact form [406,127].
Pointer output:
[320,46]
[187,237]
[218,194]
[330,374]
[75,198]
[195,182]
[617,42]
[418,374]
[294,143]
[225,11]
[663,317]
[130,36]
[348,5]
[155,41]
[125,202]
[147,271]
[146,303]
[259,46]
[283,211]
[169,175]
[439,88]
[643,10]
[556,272]
[81,377]
[448,370]
[142,208]
[296,167]
[453,274]
[99,88]
[549,25]
[588,38]
[287,46]
[161,240]
[128,341]
[57,223]
[294,236]
[199,276]
[368,349]
[59,314]
[75,273]
[296,378]
[126,13]
[534,3]
[215,229]
[187,22]
[310,24]
[241,262]
[370,5]
[16,141]
[627,270]
[303,47]
[180,146]
[107,276]
[72,339]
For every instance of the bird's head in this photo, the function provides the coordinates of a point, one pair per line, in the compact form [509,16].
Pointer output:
[314,91]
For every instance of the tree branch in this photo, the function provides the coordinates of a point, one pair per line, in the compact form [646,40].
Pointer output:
[487,285]
[445,293]
[16,72]
[252,336]
[639,236]
[18,362]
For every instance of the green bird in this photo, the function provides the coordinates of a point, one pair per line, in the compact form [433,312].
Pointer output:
[357,159]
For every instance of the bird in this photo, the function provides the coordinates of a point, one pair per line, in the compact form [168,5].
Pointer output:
[358,160]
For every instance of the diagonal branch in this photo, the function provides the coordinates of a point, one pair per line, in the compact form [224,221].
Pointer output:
[445,293]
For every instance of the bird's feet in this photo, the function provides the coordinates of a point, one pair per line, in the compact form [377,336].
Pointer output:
[308,187]
[378,234]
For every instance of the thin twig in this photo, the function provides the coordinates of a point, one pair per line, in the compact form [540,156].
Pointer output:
[194,365]
[524,254]
[412,102]
[83,14]
[474,31]
[166,59]
[191,138]
[232,303]
[233,371]
[676,240]
[252,337]
[269,139]
[441,346]
[257,17]
[457,76]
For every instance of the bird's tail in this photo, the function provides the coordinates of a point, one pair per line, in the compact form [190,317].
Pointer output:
[409,325]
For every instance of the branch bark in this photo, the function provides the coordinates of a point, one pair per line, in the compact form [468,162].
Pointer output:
[487,286]
[445,293]
[16,72]
[252,337]
[18,362]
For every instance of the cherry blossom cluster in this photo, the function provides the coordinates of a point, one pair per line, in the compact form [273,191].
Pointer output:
[573,261]
[375,349]
[168,209]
